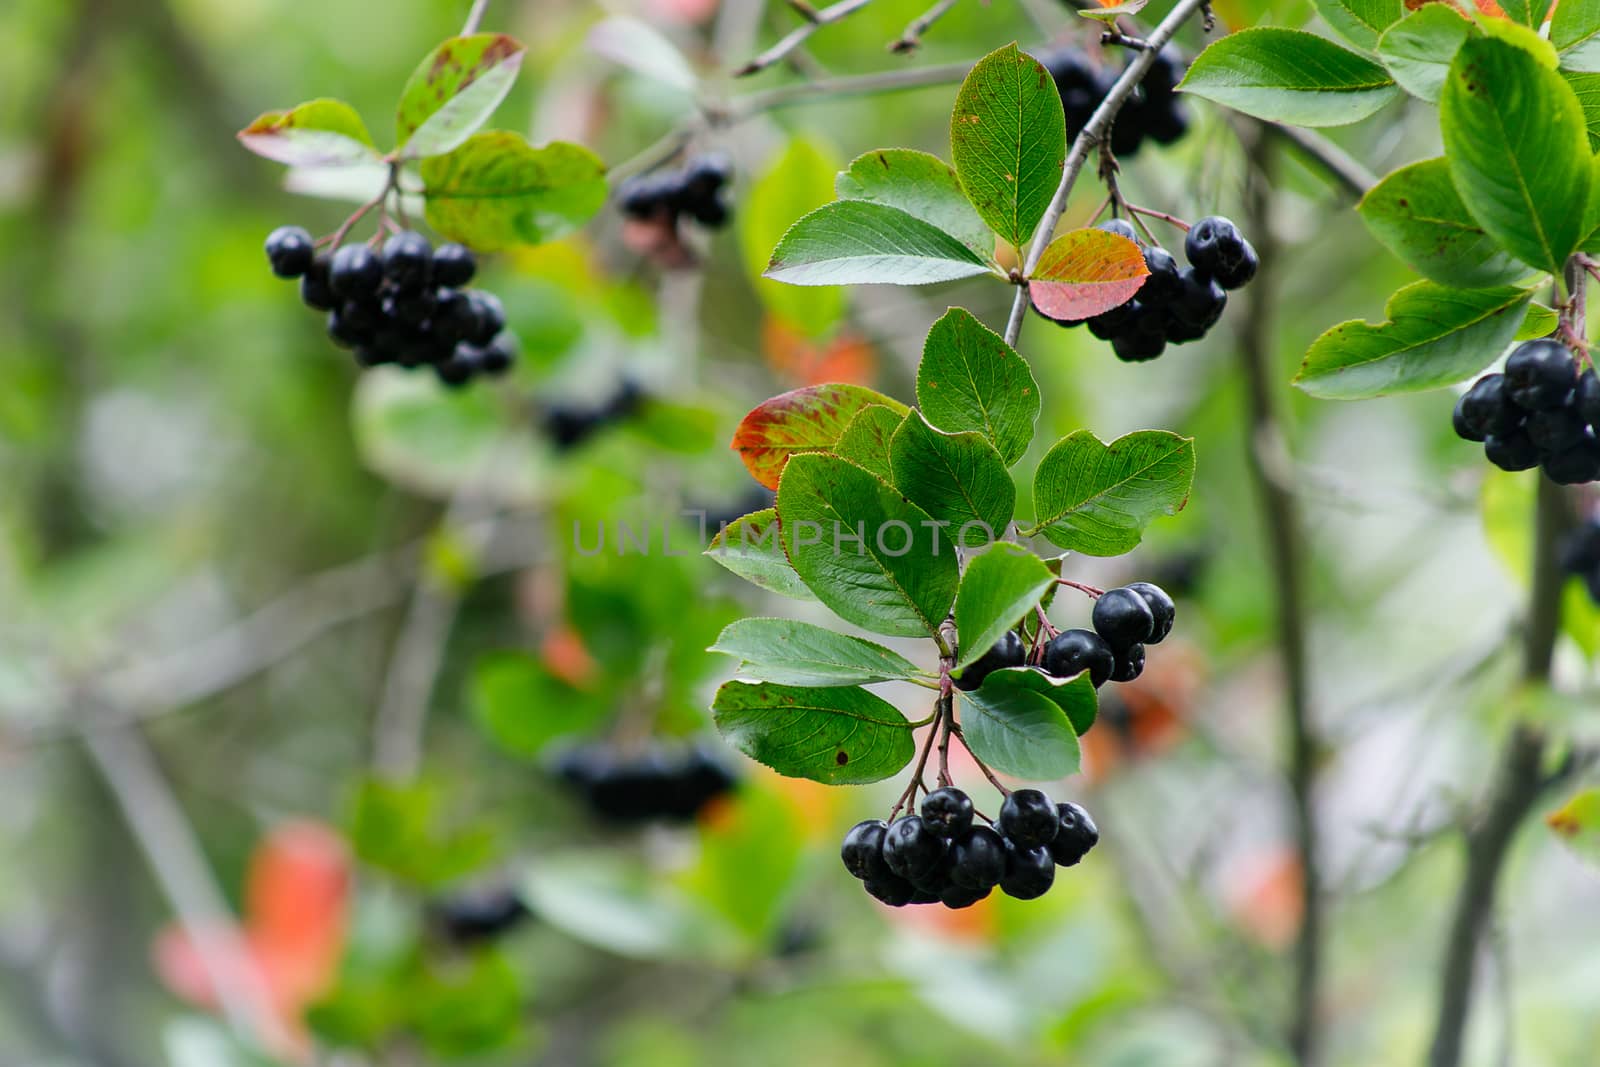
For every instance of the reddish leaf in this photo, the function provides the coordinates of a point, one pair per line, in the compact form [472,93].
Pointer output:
[801,420]
[1086,272]
[798,360]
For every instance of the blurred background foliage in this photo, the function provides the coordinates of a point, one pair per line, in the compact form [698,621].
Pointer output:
[211,524]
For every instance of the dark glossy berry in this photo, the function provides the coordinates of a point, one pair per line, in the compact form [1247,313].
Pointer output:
[1143,337]
[1580,550]
[488,317]
[1108,324]
[498,357]
[1162,609]
[459,368]
[1072,651]
[1164,281]
[1178,331]
[1029,871]
[1575,465]
[911,849]
[893,891]
[1511,452]
[957,897]
[706,174]
[453,265]
[408,260]
[315,292]
[289,250]
[1556,429]
[1006,652]
[1462,423]
[1122,617]
[1076,835]
[1540,375]
[1486,408]
[712,212]
[977,859]
[471,918]
[1129,665]
[412,308]
[348,331]
[1214,246]
[947,811]
[647,196]
[1200,300]
[1120,227]
[1165,72]
[1237,275]
[455,316]
[1028,817]
[1586,398]
[355,272]
[862,850]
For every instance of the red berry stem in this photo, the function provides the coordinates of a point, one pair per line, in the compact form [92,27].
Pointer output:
[1081,587]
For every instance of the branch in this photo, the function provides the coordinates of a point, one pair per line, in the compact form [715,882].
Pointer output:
[1285,547]
[796,37]
[912,37]
[1349,172]
[1088,137]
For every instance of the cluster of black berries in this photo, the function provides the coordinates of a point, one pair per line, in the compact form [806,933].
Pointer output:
[473,916]
[569,425]
[1580,556]
[695,190]
[655,783]
[1540,413]
[403,305]
[940,857]
[1125,620]
[1154,110]
[1174,305]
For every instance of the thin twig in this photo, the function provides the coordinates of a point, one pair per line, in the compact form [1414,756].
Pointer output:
[1103,117]
[1332,160]
[798,36]
[912,37]
[474,17]
[1162,215]
[1083,587]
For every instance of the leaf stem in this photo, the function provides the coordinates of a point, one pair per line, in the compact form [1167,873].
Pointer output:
[912,37]
[955,728]
[798,36]
[1089,590]
[1153,213]
[474,18]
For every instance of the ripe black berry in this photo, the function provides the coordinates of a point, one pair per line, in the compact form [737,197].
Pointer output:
[1511,452]
[1029,871]
[1122,617]
[892,890]
[408,260]
[289,251]
[947,811]
[1028,818]
[956,897]
[1075,837]
[1540,374]
[1162,609]
[911,849]
[1164,281]
[862,850]
[1129,665]
[1199,301]
[1587,398]
[355,272]
[1238,274]
[1555,429]
[459,368]
[1072,651]
[1142,340]
[1214,246]
[977,859]
[315,292]
[1007,652]
[489,317]
[453,265]
[470,918]
[1120,227]
[1575,465]
[498,357]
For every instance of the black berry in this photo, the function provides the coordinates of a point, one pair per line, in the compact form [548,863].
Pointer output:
[408,260]
[1575,465]
[453,265]
[1006,652]
[355,272]
[1075,836]
[1072,651]
[470,918]
[289,251]
[1512,451]
[315,292]
[1028,818]
[977,859]
[947,811]
[912,849]
[1214,246]
[1129,665]
[1162,609]
[862,850]
[1120,227]
[1123,618]
[1540,375]
[1029,871]
[1200,300]
[1587,398]
[891,890]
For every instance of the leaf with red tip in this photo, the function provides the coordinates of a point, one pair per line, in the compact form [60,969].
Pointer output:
[454,91]
[1085,273]
[801,420]
[319,133]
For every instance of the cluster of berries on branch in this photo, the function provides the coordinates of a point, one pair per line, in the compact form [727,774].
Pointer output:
[942,857]
[1540,413]
[405,303]
[695,189]
[1175,305]
[1153,111]
[654,783]
[1125,620]
[569,425]
[1580,556]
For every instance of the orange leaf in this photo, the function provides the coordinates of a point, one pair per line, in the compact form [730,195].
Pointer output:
[802,420]
[1085,272]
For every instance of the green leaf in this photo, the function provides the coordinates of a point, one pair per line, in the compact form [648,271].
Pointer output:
[1416,213]
[1434,336]
[320,133]
[751,548]
[1361,22]
[1075,696]
[856,242]
[454,91]
[1577,823]
[1586,87]
[1527,12]
[1016,730]
[1575,33]
[1514,137]
[1097,498]
[1085,272]
[958,479]
[467,1008]
[921,185]
[1540,321]
[523,707]
[872,556]
[865,442]
[809,419]
[404,830]
[799,181]
[970,379]
[1289,76]
[999,588]
[1418,49]
[800,653]
[840,735]
[1008,138]
[497,191]
[750,854]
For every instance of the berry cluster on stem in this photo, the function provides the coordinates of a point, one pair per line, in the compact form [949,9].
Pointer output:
[659,782]
[1541,412]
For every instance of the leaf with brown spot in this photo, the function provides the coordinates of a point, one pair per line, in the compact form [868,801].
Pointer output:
[320,133]
[1086,272]
[837,735]
[1577,823]
[811,419]
[454,91]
